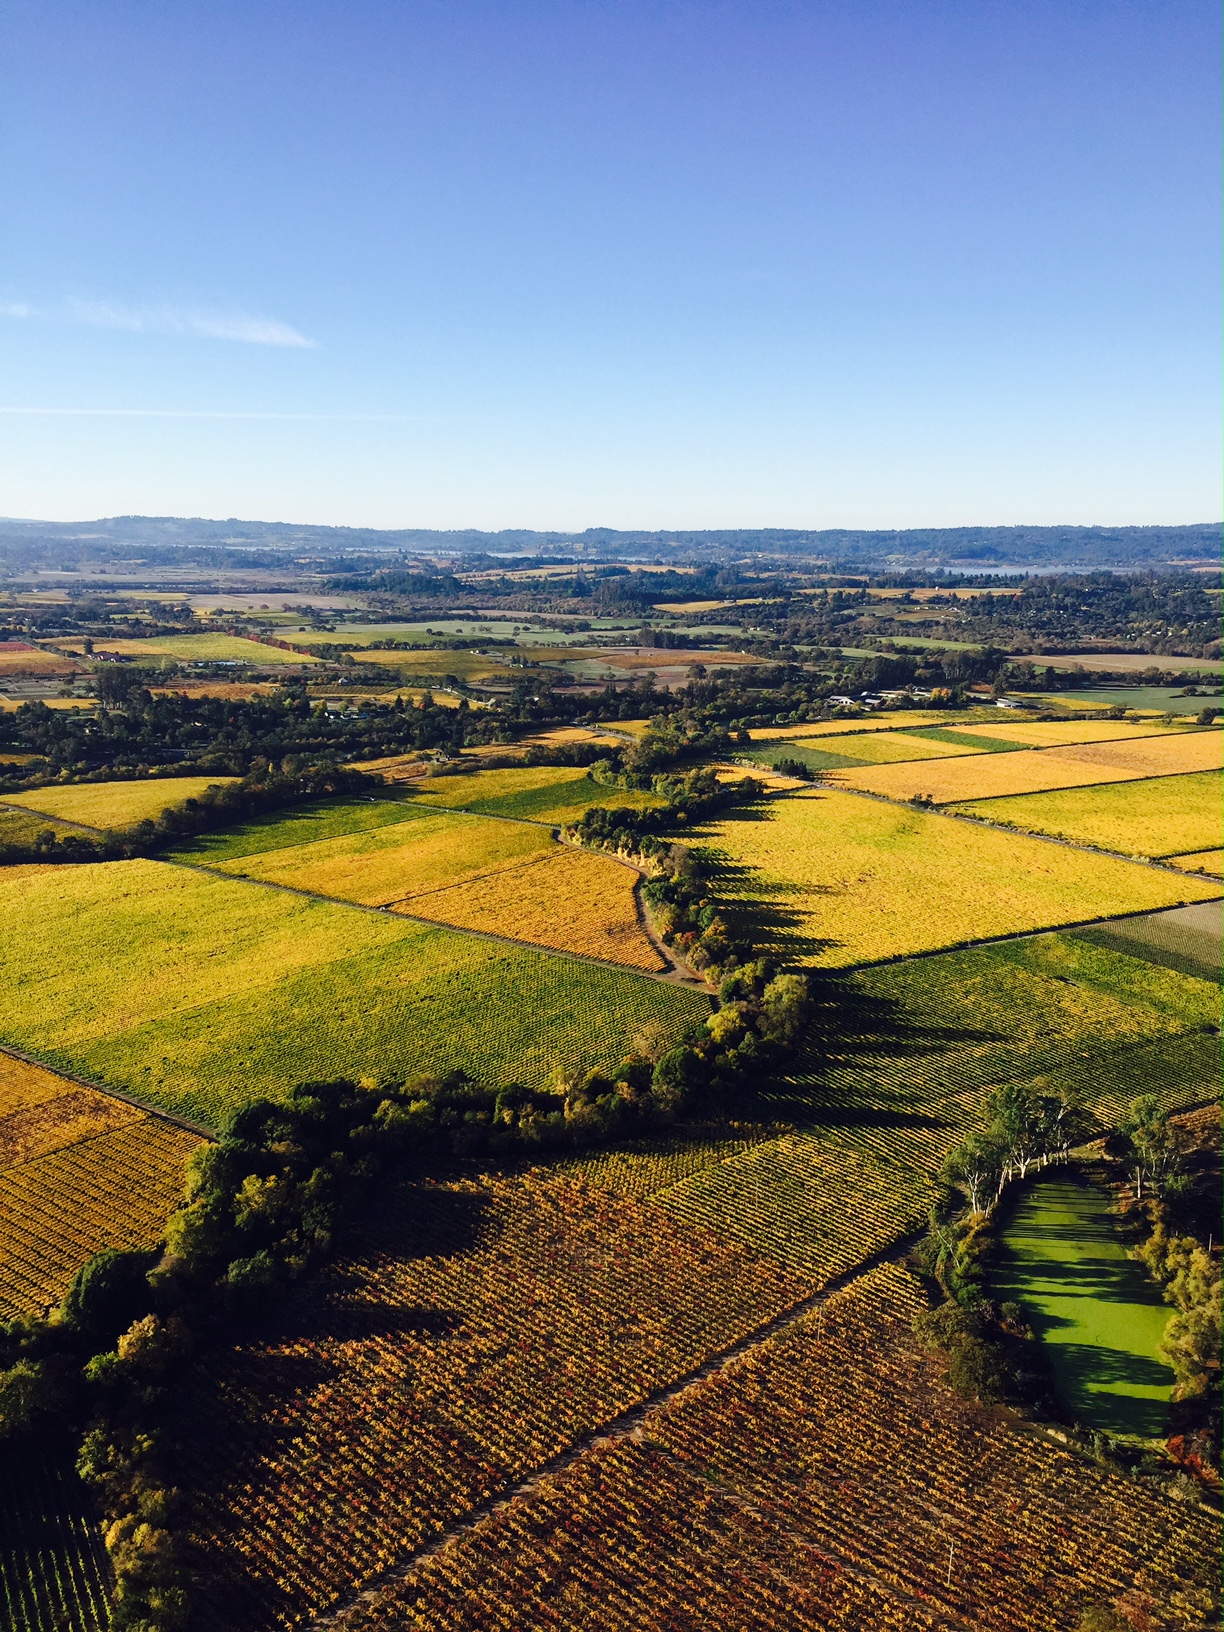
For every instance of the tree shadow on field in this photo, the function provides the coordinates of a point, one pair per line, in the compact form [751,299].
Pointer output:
[254,1396]
[757,909]
[849,1068]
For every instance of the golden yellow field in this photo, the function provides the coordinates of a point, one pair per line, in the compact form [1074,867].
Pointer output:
[114,804]
[10,705]
[1210,862]
[893,747]
[569,899]
[396,767]
[115,1190]
[633,728]
[992,776]
[843,880]
[405,859]
[1060,733]
[1158,816]
[41,1112]
[13,662]
[229,691]
[567,734]
[162,941]
[841,728]
[210,648]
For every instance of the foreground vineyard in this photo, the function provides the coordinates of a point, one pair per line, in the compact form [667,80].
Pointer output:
[502,1317]
[829,1479]
[114,1190]
[78,1171]
[494,1323]
[54,1574]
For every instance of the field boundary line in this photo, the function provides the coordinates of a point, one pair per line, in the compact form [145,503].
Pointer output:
[945,809]
[628,1424]
[82,827]
[1018,935]
[1158,862]
[664,977]
[184,1122]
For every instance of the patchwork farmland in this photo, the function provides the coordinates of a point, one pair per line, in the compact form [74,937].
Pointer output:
[553,1193]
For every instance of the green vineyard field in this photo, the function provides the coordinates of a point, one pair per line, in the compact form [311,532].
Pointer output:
[54,1574]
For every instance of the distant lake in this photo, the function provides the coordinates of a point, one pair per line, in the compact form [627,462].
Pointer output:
[1097,1312]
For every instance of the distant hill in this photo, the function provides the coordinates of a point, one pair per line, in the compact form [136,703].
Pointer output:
[161,540]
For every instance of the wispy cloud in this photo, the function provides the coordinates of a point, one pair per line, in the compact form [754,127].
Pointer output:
[251,331]
[189,320]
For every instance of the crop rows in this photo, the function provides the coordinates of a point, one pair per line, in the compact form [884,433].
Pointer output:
[570,899]
[22,827]
[116,1190]
[630,1539]
[41,1112]
[538,793]
[843,1427]
[485,1332]
[426,852]
[829,1478]
[303,824]
[1059,733]
[647,1166]
[896,747]
[1033,770]
[213,647]
[837,880]
[54,1575]
[812,1204]
[1154,817]
[840,728]
[193,990]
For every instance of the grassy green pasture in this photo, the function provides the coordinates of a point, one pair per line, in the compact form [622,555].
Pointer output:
[534,793]
[114,805]
[1099,1314]
[1163,816]
[197,992]
[304,824]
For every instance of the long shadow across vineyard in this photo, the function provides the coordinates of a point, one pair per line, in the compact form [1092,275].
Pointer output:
[854,1030]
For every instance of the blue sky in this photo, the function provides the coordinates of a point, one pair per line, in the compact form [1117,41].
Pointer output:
[561,263]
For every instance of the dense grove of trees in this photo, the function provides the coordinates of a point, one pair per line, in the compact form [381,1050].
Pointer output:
[135,729]
[1167,612]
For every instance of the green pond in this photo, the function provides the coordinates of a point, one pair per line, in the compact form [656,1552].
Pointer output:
[1097,1311]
